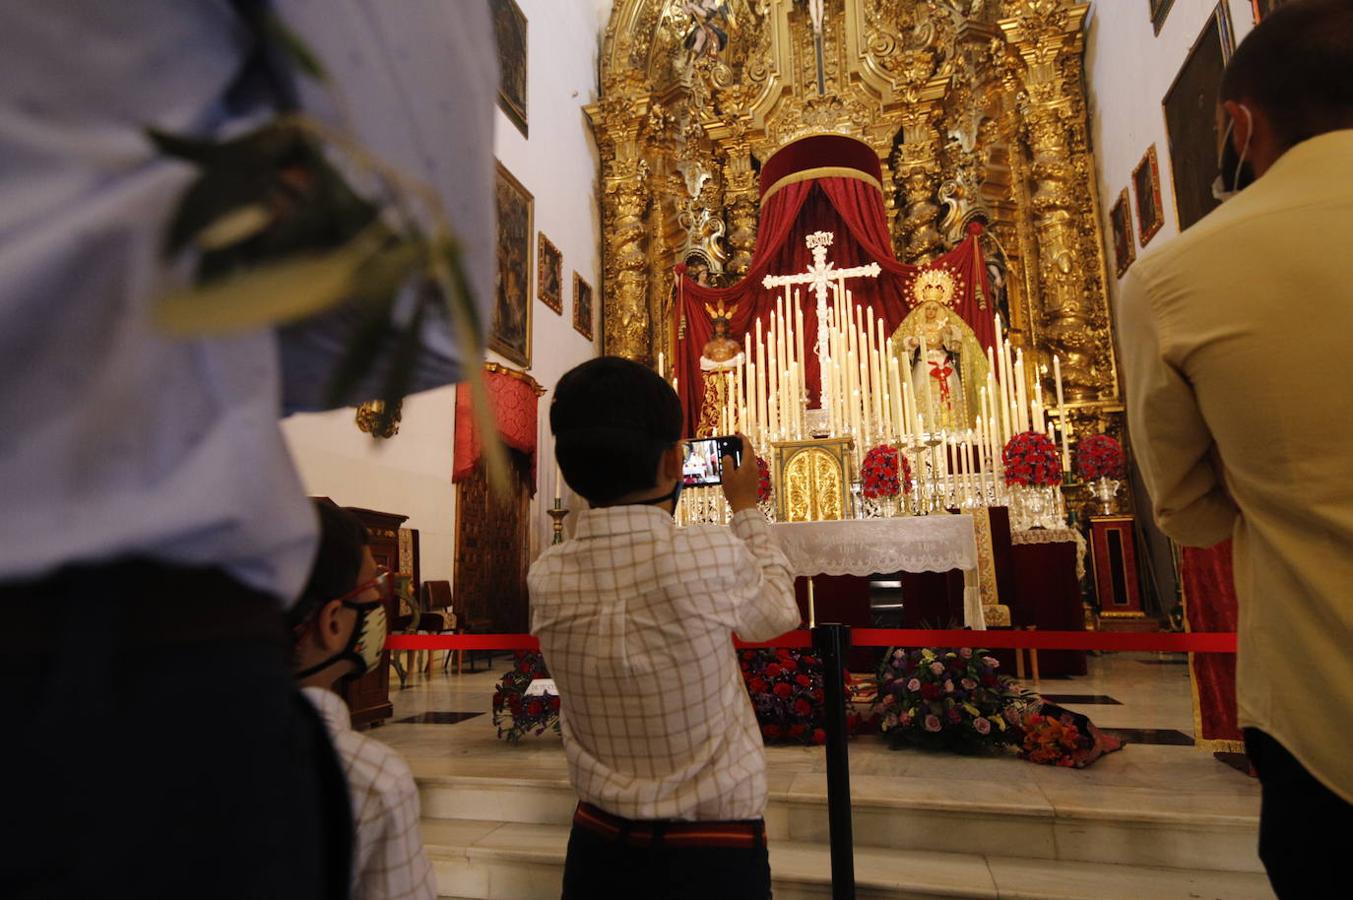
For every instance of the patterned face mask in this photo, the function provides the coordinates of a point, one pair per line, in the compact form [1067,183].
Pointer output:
[367,640]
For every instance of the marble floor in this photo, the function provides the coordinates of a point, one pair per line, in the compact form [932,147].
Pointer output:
[1151,707]
[1160,818]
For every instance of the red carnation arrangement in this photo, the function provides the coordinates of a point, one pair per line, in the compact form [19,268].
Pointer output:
[1031,460]
[1100,457]
[884,473]
[787,694]
[763,489]
[514,712]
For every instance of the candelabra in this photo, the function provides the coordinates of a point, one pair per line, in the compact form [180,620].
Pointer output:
[557,513]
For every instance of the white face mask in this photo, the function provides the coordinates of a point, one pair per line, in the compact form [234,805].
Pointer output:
[1221,189]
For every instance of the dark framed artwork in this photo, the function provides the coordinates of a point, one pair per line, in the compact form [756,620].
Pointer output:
[1159,10]
[551,263]
[1191,119]
[1264,7]
[582,306]
[510,329]
[1146,186]
[509,31]
[1120,220]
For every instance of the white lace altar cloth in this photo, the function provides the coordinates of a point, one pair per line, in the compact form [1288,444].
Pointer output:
[864,547]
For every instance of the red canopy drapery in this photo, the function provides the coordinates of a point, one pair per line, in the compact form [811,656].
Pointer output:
[822,183]
[514,397]
[1210,605]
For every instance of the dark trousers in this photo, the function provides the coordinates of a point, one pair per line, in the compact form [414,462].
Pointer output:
[1303,826]
[599,867]
[144,758]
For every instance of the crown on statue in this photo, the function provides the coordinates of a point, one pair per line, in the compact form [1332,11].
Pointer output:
[819,239]
[934,286]
[721,311]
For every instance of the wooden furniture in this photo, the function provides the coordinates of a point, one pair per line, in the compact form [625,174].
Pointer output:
[493,551]
[368,697]
[1113,550]
[1047,594]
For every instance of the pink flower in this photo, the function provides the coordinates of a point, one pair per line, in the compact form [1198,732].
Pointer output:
[966,653]
[982,725]
[937,668]
[932,723]
[914,685]
[948,686]
[968,684]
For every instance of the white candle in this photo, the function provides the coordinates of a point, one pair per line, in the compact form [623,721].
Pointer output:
[662,371]
[928,399]
[812,613]
[558,482]
[762,422]
[1022,393]
[899,414]
[1061,413]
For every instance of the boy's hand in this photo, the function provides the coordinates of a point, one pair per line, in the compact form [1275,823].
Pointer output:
[740,483]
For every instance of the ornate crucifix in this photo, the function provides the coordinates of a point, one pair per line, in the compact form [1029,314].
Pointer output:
[819,278]
[817,11]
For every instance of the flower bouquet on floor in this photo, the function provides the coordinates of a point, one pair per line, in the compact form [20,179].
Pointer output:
[518,709]
[1054,736]
[950,700]
[787,693]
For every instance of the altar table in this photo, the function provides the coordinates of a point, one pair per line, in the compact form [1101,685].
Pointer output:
[864,547]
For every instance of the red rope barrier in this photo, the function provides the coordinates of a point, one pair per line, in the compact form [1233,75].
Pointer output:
[1159,642]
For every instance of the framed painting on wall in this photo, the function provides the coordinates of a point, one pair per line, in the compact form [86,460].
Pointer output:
[582,306]
[1159,10]
[1146,185]
[1191,119]
[1120,220]
[551,263]
[1264,7]
[510,328]
[509,32]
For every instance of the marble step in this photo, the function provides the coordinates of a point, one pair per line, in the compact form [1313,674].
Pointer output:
[1058,819]
[489,860]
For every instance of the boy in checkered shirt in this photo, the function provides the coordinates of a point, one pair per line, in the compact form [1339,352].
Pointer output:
[636,618]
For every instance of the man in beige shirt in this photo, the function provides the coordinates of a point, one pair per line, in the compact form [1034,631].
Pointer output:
[1237,349]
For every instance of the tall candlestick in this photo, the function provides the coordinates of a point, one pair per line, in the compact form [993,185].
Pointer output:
[1061,413]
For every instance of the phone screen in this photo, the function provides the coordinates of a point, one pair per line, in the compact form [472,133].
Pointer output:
[704,460]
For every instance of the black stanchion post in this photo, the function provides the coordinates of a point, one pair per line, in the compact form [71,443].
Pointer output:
[831,642]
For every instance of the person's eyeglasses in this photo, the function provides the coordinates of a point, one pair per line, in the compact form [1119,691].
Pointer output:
[380,583]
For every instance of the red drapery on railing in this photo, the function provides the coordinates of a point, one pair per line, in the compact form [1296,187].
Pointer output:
[1210,605]
[851,207]
[514,402]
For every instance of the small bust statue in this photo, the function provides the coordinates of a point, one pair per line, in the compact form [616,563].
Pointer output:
[721,351]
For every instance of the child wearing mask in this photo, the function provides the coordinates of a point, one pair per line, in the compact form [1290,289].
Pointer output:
[338,633]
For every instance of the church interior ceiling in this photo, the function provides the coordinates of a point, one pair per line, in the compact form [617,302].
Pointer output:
[975,107]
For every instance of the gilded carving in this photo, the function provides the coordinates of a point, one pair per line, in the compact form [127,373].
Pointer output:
[977,108]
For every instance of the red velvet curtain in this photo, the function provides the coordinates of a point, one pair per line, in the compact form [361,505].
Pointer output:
[853,211]
[514,411]
[1210,605]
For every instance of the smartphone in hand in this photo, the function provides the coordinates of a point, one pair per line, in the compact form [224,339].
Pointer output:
[704,459]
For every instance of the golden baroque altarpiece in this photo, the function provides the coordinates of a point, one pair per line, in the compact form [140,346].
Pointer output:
[976,107]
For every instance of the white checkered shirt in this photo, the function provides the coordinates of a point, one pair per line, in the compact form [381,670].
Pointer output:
[387,853]
[635,618]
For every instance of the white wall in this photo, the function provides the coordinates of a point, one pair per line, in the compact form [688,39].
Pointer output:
[411,473]
[1129,69]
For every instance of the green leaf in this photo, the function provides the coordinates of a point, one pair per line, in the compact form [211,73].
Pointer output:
[272,294]
[296,49]
[196,150]
[237,225]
